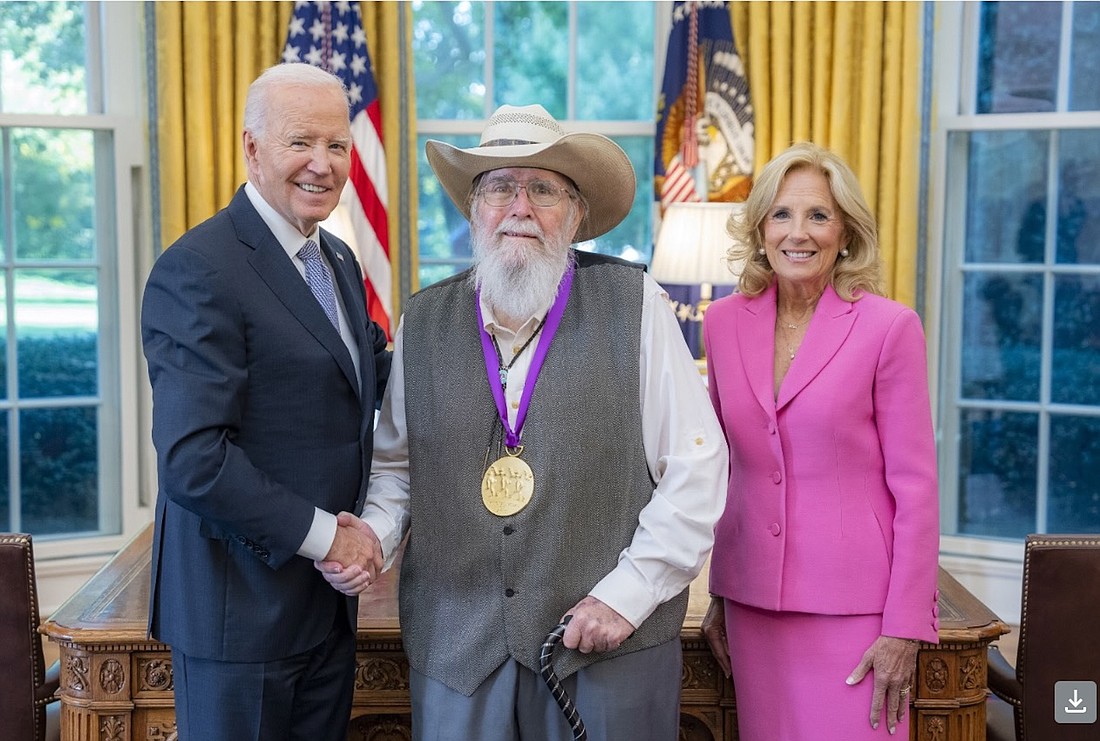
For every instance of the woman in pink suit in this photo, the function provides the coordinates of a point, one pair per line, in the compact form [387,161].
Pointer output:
[824,564]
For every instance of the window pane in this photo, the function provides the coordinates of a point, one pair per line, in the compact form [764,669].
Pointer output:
[1084,93]
[54,193]
[444,232]
[532,66]
[3,342]
[5,483]
[438,271]
[632,239]
[615,80]
[1007,185]
[56,319]
[5,154]
[1079,197]
[1074,504]
[1002,332]
[1076,363]
[59,470]
[997,473]
[449,57]
[1018,65]
[42,52]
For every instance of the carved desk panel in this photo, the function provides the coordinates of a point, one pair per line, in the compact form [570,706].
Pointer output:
[116,683]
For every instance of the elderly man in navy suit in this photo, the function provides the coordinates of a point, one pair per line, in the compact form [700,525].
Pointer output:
[265,371]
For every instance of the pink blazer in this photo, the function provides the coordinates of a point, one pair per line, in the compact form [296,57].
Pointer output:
[832,505]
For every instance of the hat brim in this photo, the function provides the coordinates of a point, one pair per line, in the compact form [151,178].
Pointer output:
[598,167]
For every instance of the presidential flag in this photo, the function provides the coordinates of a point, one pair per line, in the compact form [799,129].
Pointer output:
[330,35]
[704,148]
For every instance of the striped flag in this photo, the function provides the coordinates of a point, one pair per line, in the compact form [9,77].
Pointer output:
[704,142]
[330,35]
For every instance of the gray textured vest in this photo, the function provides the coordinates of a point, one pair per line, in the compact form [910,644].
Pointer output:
[477,588]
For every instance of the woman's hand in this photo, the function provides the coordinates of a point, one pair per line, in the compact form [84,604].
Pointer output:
[714,630]
[894,662]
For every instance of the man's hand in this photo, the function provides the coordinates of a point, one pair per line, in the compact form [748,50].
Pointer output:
[355,559]
[595,627]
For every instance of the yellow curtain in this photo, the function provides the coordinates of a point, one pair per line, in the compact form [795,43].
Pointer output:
[845,75]
[209,53]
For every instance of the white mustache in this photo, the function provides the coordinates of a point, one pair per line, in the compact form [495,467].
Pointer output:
[524,229]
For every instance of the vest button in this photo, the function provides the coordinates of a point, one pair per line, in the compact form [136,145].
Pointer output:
[508,530]
[509,593]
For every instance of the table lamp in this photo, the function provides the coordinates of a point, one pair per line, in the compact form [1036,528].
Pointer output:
[691,249]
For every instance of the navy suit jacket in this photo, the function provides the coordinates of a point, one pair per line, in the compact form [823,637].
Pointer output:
[257,419]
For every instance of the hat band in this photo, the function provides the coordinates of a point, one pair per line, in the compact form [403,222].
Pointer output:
[505,143]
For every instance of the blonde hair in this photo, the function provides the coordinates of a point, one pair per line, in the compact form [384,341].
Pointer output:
[857,273]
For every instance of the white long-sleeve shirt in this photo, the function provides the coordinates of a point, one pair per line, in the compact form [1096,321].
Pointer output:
[684,447]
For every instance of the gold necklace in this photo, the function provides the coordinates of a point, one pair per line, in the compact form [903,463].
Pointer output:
[787,341]
[795,325]
[786,327]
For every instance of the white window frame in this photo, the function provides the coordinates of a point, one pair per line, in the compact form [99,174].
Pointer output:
[991,568]
[116,75]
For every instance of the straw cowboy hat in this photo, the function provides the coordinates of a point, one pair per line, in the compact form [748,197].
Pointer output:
[528,136]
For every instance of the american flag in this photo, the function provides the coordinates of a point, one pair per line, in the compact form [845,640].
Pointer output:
[330,35]
[704,115]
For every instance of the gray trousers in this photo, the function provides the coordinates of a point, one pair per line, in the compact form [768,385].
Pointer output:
[635,697]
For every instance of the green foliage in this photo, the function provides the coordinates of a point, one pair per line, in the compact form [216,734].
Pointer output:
[57,366]
[54,193]
[59,477]
[46,40]
[51,174]
[449,56]
[59,468]
[530,57]
[615,73]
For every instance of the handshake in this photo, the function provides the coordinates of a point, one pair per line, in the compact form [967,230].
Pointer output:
[355,559]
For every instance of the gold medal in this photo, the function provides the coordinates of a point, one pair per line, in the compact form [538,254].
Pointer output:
[508,485]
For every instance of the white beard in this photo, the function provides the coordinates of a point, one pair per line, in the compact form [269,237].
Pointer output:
[518,282]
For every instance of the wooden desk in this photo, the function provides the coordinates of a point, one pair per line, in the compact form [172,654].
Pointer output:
[116,683]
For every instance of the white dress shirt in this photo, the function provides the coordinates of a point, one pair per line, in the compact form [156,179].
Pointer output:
[684,447]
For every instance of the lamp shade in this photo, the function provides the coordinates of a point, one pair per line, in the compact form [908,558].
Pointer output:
[692,244]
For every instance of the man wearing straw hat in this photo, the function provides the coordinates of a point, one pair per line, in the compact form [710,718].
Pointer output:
[547,444]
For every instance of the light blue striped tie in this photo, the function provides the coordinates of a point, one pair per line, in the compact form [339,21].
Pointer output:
[319,280]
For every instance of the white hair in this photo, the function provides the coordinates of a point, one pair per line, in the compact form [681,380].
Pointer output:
[517,282]
[257,106]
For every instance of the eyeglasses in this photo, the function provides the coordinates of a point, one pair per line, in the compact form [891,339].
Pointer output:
[541,193]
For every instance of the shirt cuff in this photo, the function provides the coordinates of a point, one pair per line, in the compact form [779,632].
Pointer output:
[321,535]
[384,528]
[625,595]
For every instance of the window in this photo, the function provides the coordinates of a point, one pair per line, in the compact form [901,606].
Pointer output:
[67,163]
[1018,198]
[590,64]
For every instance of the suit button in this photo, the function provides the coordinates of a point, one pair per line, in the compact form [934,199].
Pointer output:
[509,593]
[774,528]
[776,477]
[935,610]
[771,428]
[508,530]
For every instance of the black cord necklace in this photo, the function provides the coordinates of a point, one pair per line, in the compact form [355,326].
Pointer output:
[500,359]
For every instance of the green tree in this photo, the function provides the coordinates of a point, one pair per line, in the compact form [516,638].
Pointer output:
[449,57]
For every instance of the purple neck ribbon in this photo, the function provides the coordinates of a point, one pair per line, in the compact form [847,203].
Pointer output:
[492,367]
